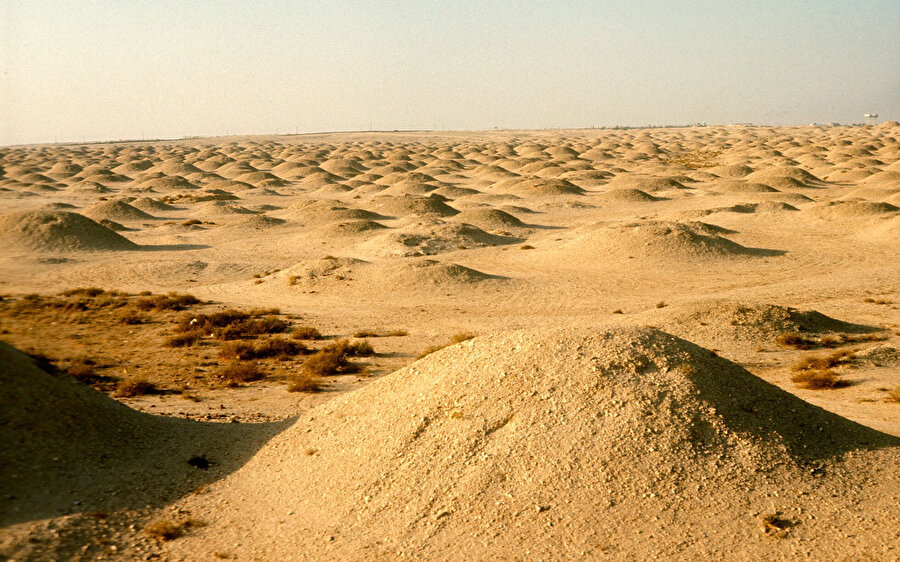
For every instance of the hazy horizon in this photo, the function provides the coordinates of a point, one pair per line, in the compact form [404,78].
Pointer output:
[96,71]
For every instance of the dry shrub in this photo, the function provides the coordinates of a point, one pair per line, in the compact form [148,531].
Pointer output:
[81,368]
[456,338]
[169,530]
[818,380]
[376,334]
[191,222]
[130,318]
[172,301]
[231,324]
[275,347]
[238,372]
[661,304]
[306,333]
[326,363]
[83,292]
[351,349]
[795,340]
[815,373]
[304,382]
[184,340]
[799,341]
[773,524]
[894,395]
[133,388]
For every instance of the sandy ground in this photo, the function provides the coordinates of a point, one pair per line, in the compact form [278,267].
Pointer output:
[538,242]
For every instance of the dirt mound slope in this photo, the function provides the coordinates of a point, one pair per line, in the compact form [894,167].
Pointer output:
[746,326]
[57,231]
[661,240]
[412,205]
[116,210]
[627,195]
[851,209]
[544,445]
[67,446]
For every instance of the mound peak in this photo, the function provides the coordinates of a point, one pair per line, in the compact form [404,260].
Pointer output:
[62,231]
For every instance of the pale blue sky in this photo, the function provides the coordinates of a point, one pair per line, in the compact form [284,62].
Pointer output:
[74,70]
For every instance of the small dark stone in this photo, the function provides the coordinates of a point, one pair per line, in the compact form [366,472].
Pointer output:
[199,462]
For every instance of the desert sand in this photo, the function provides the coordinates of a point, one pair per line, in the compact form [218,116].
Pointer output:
[633,309]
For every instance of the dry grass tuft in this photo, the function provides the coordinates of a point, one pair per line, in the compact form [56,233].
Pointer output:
[773,524]
[800,341]
[130,318]
[239,372]
[275,347]
[169,530]
[231,324]
[377,334]
[184,340]
[351,349]
[305,382]
[893,395]
[172,301]
[456,338]
[132,388]
[815,373]
[306,333]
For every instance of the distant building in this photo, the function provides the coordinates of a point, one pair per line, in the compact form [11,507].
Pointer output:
[871,118]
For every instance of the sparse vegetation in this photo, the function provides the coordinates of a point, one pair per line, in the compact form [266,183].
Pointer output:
[132,388]
[893,395]
[456,338]
[801,341]
[231,324]
[275,347]
[191,222]
[306,333]
[130,318]
[170,530]
[172,301]
[351,349]
[239,372]
[526,247]
[815,373]
[377,334]
[304,382]
[661,304]
[773,524]
[184,340]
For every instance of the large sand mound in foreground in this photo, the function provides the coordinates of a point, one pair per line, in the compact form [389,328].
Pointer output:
[630,442]
[61,231]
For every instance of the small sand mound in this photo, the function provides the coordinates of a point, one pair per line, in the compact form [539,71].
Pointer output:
[539,445]
[316,272]
[777,174]
[57,231]
[414,275]
[151,205]
[660,240]
[432,236]
[739,186]
[851,209]
[491,219]
[537,187]
[219,209]
[626,195]
[164,184]
[412,205]
[730,171]
[87,188]
[116,210]
[640,182]
[336,231]
[746,327]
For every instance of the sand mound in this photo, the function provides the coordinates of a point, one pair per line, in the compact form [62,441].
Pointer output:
[57,231]
[739,186]
[353,228]
[412,205]
[542,445]
[116,210]
[219,209]
[415,275]
[66,446]
[722,323]
[164,184]
[778,174]
[151,205]
[640,182]
[87,188]
[625,195]
[491,219]
[431,236]
[537,187]
[330,269]
[851,209]
[730,171]
[660,240]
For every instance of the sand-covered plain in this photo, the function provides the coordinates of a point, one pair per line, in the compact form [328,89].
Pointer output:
[629,394]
